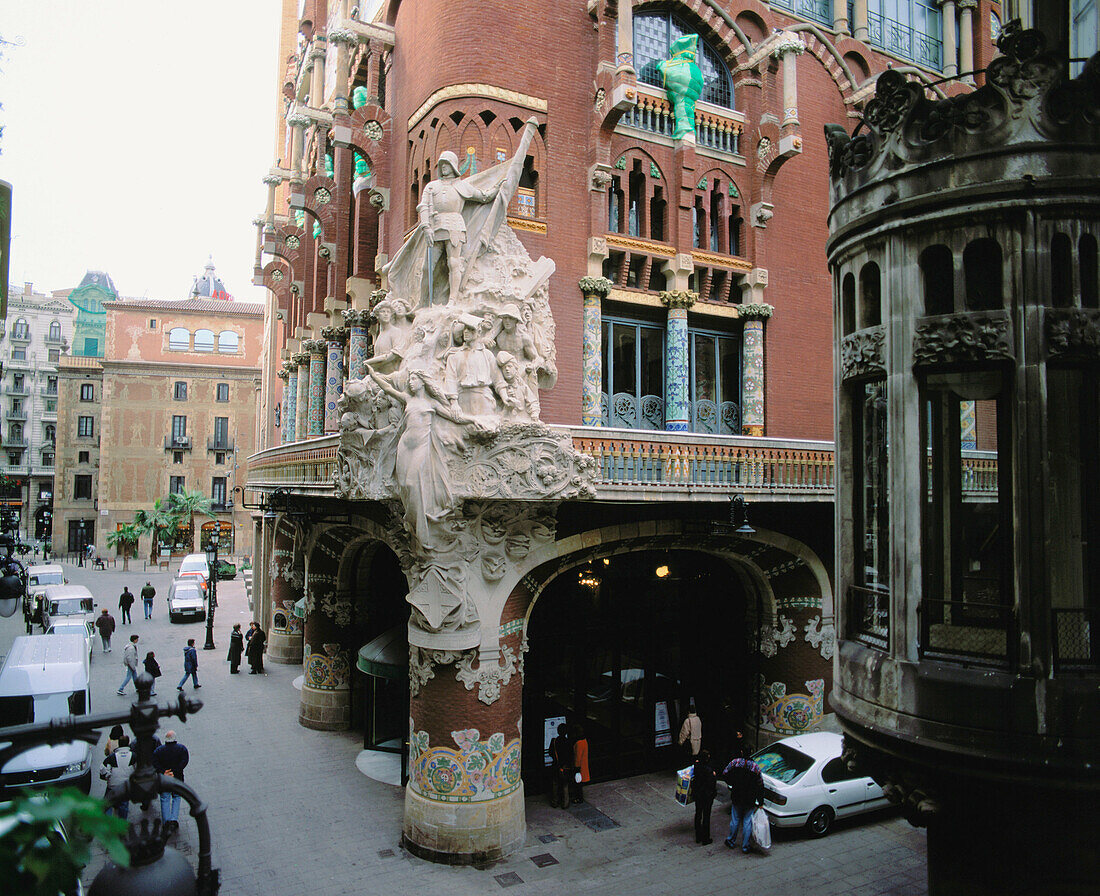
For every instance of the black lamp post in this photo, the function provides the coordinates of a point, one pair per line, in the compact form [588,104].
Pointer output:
[83,546]
[212,594]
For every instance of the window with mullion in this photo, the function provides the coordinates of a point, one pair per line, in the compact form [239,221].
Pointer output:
[654,33]
[633,374]
[715,388]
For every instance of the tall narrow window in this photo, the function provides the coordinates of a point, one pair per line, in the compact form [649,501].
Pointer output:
[938,277]
[222,392]
[175,485]
[87,392]
[217,491]
[221,432]
[982,261]
[85,427]
[870,296]
[1086,258]
[633,374]
[715,385]
[1061,271]
[179,429]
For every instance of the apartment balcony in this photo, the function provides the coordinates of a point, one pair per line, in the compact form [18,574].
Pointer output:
[13,363]
[177,443]
[631,465]
[15,415]
[220,445]
[716,128]
[17,391]
[16,442]
[49,415]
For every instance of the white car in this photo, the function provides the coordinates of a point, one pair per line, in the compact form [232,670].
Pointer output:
[186,600]
[73,627]
[194,566]
[806,783]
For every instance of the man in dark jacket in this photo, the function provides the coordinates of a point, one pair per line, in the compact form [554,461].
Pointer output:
[747,791]
[561,768]
[190,665]
[170,759]
[106,626]
[704,785]
[125,601]
[147,595]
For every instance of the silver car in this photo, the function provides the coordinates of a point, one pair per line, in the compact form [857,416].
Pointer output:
[186,601]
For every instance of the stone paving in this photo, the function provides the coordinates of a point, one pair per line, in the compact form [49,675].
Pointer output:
[290,813]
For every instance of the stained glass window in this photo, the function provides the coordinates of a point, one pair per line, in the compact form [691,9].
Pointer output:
[654,34]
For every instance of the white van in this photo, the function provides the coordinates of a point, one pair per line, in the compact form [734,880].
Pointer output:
[46,678]
[69,602]
[38,577]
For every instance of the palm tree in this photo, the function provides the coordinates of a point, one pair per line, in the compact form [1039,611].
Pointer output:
[125,539]
[185,505]
[160,517]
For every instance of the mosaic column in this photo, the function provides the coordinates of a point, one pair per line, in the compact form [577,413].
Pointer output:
[316,418]
[284,638]
[752,368]
[334,374]
[677,410]
[356,323]
[290,402]
[301,408]
[281,410]
[595,290]
[326,660]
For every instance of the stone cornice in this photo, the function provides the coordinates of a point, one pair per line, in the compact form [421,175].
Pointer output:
[163,368]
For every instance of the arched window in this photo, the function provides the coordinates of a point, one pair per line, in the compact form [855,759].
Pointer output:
[204,340]
[1061,271]
[21,330]
[984,278]
[55,331]
[179,339]
[654,34]
[937,269]
[228,342]
[848,304]
[51,433]
[1086,257]
[870,296]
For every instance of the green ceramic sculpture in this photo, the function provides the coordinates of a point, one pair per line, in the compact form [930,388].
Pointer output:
[359,97]
[683,82]
[362,169]
[328,165]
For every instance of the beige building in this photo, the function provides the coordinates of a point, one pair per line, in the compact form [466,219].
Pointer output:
[173,408]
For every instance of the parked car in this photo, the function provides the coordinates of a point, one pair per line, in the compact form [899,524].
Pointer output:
[807,783]
[194,566]
[186,600]
[65,626]
[69,603]
[38,577]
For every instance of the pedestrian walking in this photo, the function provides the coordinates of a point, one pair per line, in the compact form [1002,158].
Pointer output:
[113,740]
[125,601]
[170,759]
[257,641]
[106,626]
[130,663]
[116,771]
[580,765]
[704,786]
[747,792]
[153,668]
[561,768]
[236,649]
[190,665]
[692,730]
[147,595]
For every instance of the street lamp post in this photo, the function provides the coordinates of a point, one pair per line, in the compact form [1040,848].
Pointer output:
[212,595]
[83,546]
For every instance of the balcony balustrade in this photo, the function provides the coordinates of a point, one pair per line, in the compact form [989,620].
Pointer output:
[177,443]
[716,127]
[219,445]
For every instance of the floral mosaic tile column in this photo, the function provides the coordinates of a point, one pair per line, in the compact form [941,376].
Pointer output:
[676,359]
[356,322]
[316,414]
[281,411]
[595,290]
[290,403]
[334,374]
[752,368]
[301,408]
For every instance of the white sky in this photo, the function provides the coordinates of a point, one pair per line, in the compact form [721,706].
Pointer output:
[136,136]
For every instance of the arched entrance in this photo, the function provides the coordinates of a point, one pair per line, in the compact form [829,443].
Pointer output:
[620,644]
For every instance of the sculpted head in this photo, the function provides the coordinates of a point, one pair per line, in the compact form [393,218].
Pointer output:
[447,166]
[384,311]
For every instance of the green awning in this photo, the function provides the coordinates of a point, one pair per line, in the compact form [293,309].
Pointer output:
[387,656]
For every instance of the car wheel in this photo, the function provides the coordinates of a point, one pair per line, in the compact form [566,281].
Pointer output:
[821,819]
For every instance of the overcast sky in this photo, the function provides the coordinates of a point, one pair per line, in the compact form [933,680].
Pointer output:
[136,136]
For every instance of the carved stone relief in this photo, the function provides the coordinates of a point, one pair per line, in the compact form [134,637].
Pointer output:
[863,353]
[963,337]
[1073,333]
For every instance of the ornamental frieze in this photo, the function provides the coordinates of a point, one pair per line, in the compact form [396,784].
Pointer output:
[863,353]
[958,338]
[1073,333]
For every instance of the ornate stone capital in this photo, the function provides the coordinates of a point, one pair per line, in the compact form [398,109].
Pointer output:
[283,374]
[343,36]
[298,120]
[862,353]
[678,298]
[273,180]
[755,311]
[600,286]
[963,337]
[334,334]
[314,347]
[787,42]
[301,358]
[968,4]
[1073,333]
[355,318]
[377,296]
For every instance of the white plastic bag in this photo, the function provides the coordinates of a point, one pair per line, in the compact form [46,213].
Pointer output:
[761,831]
[684,796]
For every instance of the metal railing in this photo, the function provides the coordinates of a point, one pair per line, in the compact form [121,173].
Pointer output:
[814,10]
[177,443]
[968,630]
[715,127]
[904,41]
[1076,639]
[869,616]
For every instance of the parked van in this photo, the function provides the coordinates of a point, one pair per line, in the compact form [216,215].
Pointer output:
[71,602]
[46,678]
[194,566]
[38,577]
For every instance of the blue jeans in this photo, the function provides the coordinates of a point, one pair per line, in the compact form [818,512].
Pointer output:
[194,679]
[169,807]
[148,608]
[131,675]
[741,819]
[122,810]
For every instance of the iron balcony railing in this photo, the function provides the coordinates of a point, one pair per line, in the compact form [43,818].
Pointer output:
[814,10]
[974,631]
[1076,639]
[905,41]
[869,616]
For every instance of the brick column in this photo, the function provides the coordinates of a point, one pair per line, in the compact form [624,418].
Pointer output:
[284,572]
[677,368]
[356,323]
[752,368]
[334,375]
[301,408]
[326,659]
[464,801]
[595,290]
[290,402]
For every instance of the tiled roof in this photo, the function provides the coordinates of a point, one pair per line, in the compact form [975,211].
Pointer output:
[197,306]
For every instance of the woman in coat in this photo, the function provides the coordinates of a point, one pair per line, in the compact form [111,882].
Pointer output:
[255,650]
[236,649]
[580,764]
[704,785]
[153,668]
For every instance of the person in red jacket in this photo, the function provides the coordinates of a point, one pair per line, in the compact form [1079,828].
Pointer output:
[580,764]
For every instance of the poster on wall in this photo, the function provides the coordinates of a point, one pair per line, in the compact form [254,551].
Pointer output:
[662,726]
[549,732]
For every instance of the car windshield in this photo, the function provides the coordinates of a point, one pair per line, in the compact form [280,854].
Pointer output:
[67,630]
[23,709]
[71,606]
[783,763]
[193,566]
[46,578]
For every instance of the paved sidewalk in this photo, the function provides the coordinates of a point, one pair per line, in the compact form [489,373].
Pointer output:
[290,813]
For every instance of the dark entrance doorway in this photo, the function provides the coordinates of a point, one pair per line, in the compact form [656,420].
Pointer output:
[621,645]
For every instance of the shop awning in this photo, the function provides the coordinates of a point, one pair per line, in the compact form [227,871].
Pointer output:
[387,656]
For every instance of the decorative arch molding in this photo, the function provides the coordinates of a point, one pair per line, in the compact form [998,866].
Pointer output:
[724,32]
[485,91]
[631,149]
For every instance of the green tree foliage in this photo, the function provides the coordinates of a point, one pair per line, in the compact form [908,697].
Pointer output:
[186,504]
[125,539]
[158,519]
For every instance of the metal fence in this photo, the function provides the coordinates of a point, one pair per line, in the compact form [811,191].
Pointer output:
[869,616]
[1076,639]
[814,10]
[972,630]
